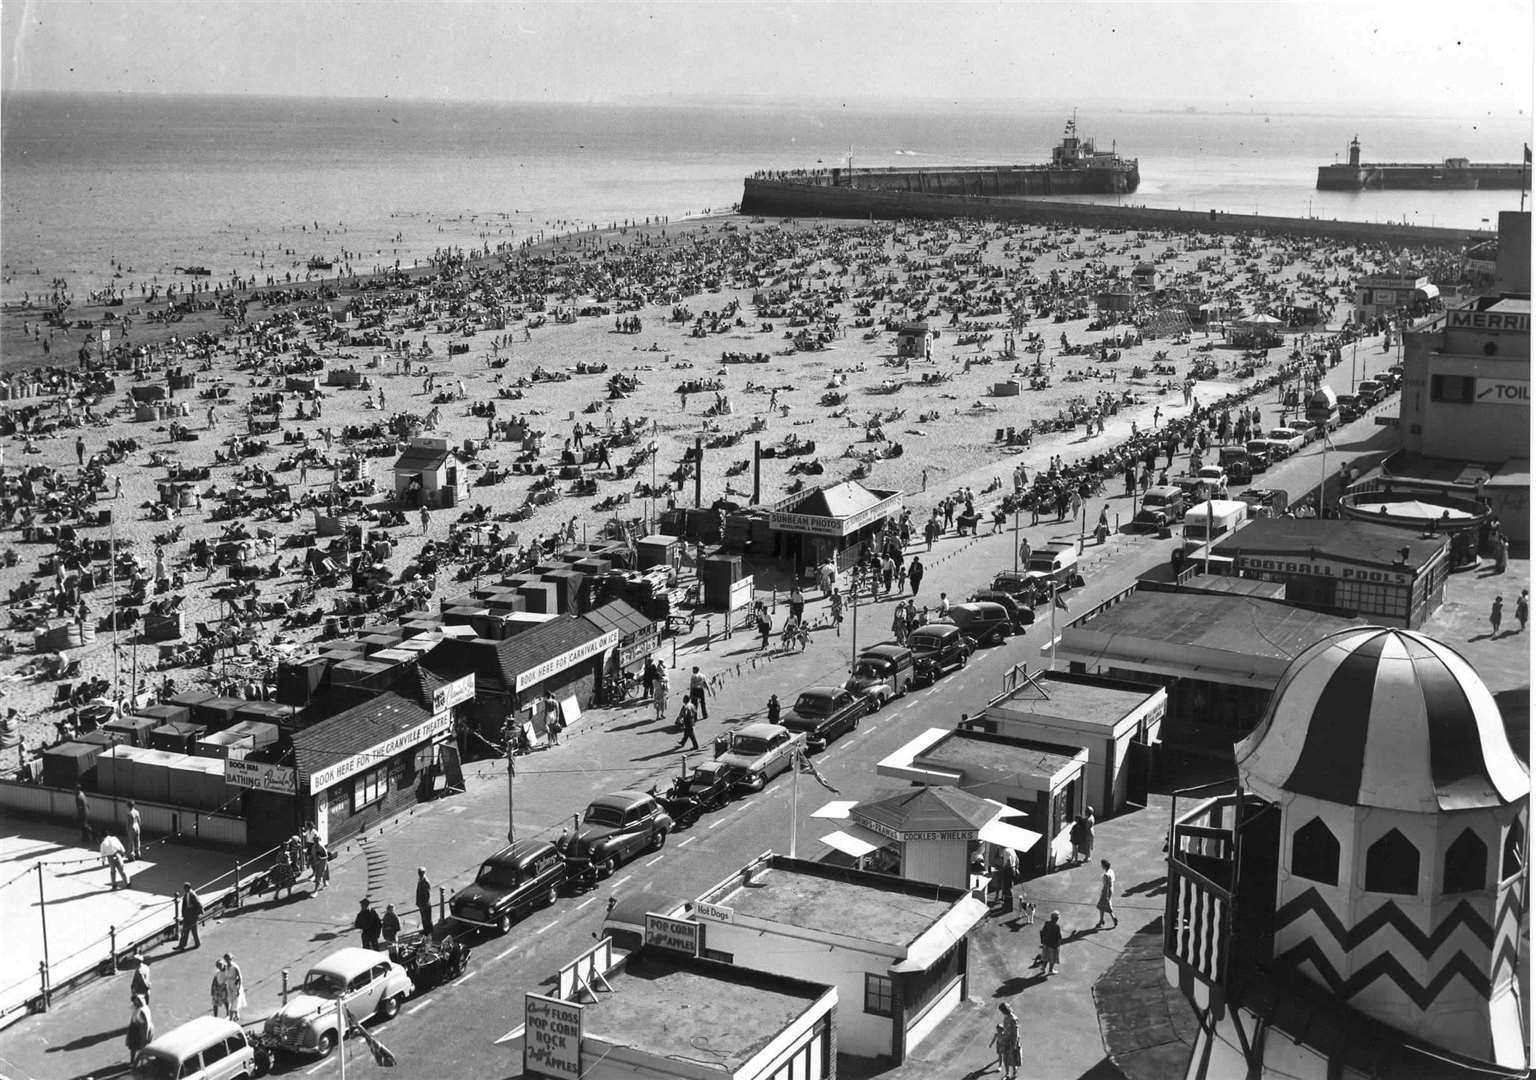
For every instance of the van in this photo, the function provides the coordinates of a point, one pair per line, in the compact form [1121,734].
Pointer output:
[881,672]
[204,1048]
[937,647]
[1235,460]
[518,878]
[1213,520]
[1160,506]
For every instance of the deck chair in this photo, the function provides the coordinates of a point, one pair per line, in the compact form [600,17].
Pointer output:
[62,692]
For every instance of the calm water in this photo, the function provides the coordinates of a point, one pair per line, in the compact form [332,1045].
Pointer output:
[238,184]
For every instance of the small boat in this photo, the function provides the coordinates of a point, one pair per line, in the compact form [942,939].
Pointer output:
[317,263]
[194,271]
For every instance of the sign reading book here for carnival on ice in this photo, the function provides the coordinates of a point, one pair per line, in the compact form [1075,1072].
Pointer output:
[556,664]
[321,779]
[551,1037]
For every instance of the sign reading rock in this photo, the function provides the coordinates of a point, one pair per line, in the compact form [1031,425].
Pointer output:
[551,1038]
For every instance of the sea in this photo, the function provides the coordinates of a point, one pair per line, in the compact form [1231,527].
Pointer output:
[116,190]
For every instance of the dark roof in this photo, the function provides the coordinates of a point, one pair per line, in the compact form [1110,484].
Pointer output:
[421,459]
[1235,624]
[499,663]
[928,809]
[1340,539]
[355,731]
[619,615]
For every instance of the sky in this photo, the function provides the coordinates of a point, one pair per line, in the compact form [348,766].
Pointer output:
[1339,56]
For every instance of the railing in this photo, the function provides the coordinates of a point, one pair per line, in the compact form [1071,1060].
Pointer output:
[1197,924]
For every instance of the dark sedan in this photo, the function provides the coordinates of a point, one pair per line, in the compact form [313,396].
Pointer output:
[824,713]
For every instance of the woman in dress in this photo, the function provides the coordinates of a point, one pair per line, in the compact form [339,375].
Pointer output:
[216,989]
[1008,1049]
[1107,894]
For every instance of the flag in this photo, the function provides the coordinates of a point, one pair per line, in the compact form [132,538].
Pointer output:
[1527,153]
[381,1054]
[804,764]
[1056,596]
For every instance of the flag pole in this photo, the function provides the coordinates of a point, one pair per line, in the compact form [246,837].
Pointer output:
[1053,624]
[341,1037]
[794,805]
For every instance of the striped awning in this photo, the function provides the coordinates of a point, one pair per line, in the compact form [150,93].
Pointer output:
[1371,716]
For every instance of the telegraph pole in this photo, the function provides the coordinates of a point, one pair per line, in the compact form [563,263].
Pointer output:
[509,732]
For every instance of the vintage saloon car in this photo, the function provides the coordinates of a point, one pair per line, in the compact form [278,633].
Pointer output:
[756,753]
[823,713]
[367,983]
[518,878]
[614,829]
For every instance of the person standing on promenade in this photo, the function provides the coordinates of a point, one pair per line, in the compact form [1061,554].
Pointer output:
[112,855]
[1089,823]
[1050,943]
[915,574]
[1107,895]
[135,832]
[191,911]
[1523,608]
[389,925]
[773,708]
[319,863]
[234,987]
[1496,616]
[368,924]
[83,817]
[663,694]
[139,985]
[424,898]
[698,690]
[216,991]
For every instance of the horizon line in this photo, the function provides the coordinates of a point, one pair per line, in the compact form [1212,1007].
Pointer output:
[926,103]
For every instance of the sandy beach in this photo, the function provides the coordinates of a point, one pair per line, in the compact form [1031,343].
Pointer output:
[702,292]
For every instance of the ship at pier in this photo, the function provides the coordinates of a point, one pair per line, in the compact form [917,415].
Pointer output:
[1077,167]
[1452,174]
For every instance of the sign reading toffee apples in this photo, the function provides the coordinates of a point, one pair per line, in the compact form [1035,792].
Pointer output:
[551,1038]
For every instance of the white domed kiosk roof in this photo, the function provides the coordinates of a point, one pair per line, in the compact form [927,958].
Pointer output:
[1373,716]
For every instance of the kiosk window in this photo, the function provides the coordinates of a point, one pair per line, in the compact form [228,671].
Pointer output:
[339,800]
[1457,389]
[368,787]
[1315,853]
[1392,865]
[1466,864]
[877,995]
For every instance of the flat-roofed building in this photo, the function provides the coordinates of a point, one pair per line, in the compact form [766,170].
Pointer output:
[660,1012]
[896,950]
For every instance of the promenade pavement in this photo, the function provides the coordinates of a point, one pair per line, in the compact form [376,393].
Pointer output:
[451,835]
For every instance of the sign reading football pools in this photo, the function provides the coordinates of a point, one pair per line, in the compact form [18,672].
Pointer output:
[551,1038]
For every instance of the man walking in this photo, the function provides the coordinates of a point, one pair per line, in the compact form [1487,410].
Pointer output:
[1523,608]
[112,853]
[698,690]
[1050,943]
[915,574]
[686,718]
[424,899]
[191,912]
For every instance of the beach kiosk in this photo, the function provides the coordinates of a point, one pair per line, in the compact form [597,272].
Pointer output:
[830,522]
[425,475]
[914,341]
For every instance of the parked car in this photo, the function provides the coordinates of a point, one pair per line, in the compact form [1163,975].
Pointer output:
[1020,584]
[511,883]
[1160,506]
[1350,408]
[204,1048]
[755,754]
[1265,502]
[1023,615]
[1308,431]
[881,672]
[822,713]
[614,829]
[1237,462]
[367,983]
[984,623]
[697,791]
[1261,454]
[1370,392]
[1284,440]
[938,648]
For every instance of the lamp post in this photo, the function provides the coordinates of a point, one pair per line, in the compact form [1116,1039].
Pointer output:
[509,732]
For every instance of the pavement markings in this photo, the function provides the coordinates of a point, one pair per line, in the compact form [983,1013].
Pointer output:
[622,880]
[581,905]
[656,860]
[547,926]
[317,1068]
[465,978]
[688,841]
[508,951]
[416,1008]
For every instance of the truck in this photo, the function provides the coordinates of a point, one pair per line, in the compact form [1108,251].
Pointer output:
[1323,408]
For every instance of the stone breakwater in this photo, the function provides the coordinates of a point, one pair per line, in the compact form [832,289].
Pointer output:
[794,199]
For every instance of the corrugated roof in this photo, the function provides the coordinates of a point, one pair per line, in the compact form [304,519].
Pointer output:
[1232,624]
[355,731]
[619,615]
